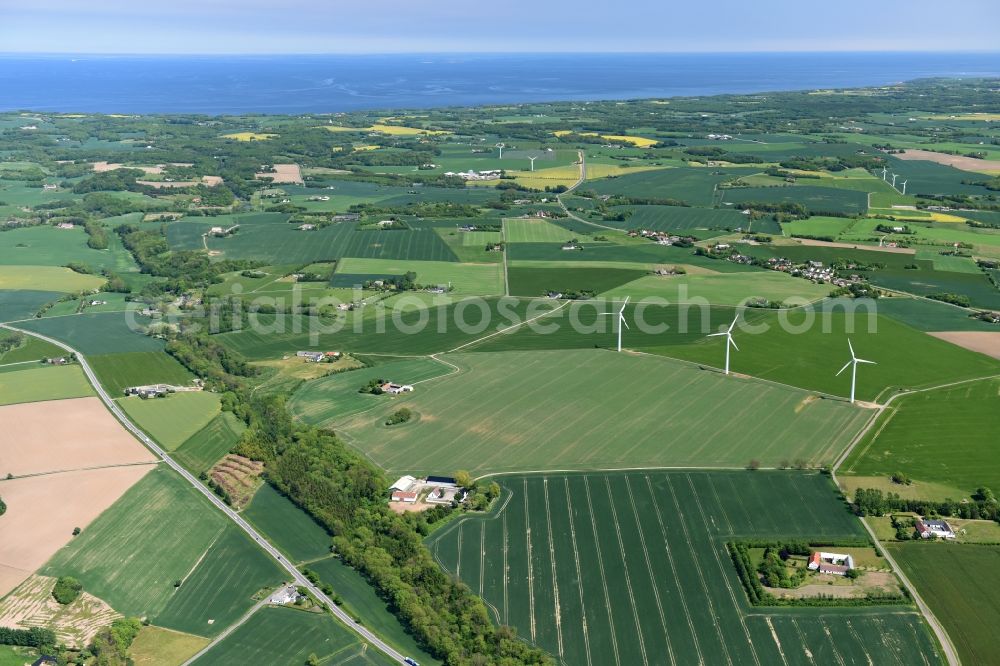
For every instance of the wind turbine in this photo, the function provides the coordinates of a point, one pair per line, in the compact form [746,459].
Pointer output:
[533,162]
[854,370]
[621,321]
[729,339]
[894,177]
[884,169]
[501,147]
[904,187]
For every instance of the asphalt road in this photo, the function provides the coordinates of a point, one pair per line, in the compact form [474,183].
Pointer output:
[295,574]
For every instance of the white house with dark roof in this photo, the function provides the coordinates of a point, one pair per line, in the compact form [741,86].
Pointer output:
[936,528]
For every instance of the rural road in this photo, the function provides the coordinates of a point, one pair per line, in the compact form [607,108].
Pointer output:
[578,183]
[295,574]
[951,654]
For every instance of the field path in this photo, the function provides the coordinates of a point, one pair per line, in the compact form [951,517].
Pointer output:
[227,631]
[295,575]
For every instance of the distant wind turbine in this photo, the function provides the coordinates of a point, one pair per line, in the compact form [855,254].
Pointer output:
[501,147]
[884,169]
[621,321]
[904,187]
[729,339]
[894,177]
[854,370]
[533,162]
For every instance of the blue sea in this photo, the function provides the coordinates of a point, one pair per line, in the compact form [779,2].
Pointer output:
[332,83]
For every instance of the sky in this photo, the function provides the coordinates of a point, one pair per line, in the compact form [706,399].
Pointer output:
[439,26]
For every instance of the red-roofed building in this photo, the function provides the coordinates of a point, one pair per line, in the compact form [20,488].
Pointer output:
[402,496]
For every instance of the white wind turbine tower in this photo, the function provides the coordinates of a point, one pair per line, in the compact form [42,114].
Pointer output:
[894,177]
[854,370]
[904,187]
[501,147]
[884,169]
[533,161]
[621,321]
[729,339]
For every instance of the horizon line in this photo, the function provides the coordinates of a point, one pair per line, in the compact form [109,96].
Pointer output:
[501,53]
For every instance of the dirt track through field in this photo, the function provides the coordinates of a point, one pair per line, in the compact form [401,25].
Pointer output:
[64,435]
[984,342]
[43,510]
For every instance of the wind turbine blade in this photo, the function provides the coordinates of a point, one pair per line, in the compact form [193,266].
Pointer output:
[861,360]
[734,323]
[846,366]
[713,335]
[733,343]
[624,303]
[623,322]
[851,347]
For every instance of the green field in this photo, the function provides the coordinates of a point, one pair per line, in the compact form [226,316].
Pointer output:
[99,333]
[946,436]
[221,586]
[204,448]
[48,246]
[723,289]
[959,583]
[465,279]
[30,349]
[575,409]
[816,199]
[680,219]
[529,281]
[289,636]
[805,351]
[630,568]
[693,185]
[323,401]
[117,372]
[287,526]
[173,419]
[17,656]
[42,382]
[406,332]
[534,231]
[268,237]
[634,252]
[161,531]
[18,304]
[927,315]
[47,278]
[818,226]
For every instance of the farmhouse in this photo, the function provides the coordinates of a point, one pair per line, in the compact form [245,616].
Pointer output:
[64,225]
[395,389]
[831,563]
[286,595]
[404,496]
[934,528]
[150,391]
[311,356]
